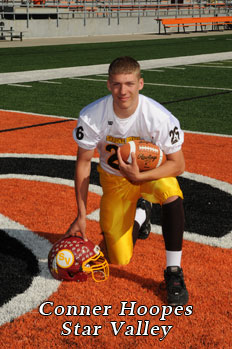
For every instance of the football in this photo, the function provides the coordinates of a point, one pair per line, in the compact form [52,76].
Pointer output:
[148,155]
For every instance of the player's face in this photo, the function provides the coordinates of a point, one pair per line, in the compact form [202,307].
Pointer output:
[125,91]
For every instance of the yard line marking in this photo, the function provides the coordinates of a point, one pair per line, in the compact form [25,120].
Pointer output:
[156,70]
[19,85]
[176,68]
[208,66]
[87,79]
[219,63]
[167,85]
[183,86]
[50,82]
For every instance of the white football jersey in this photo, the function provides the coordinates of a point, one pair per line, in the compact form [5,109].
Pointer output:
[99,127]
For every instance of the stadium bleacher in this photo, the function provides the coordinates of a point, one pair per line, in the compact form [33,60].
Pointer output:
[118,16]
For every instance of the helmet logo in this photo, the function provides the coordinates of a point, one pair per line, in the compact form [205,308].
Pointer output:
[65,258]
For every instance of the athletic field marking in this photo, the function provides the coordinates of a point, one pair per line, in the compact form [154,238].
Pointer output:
[36,114]
[68,72]
[223,242]
[36,125]
[74,119]
[39,156]
[50,82]
[156,70]
[218,63]
[87,79]
[167,85]
[19,85]
[196,97]
[208,66]
[208,134]
[195,87]
[176,68]
[39,290]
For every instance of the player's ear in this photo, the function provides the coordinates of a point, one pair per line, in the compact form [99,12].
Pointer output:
[108,85]
[141,83]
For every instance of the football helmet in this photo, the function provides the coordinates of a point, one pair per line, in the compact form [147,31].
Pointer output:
[73,259]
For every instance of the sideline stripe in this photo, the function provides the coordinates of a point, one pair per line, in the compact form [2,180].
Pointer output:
[74,119]
[51,74]
[36,114]
[38,156]
[207,134]
[36,125]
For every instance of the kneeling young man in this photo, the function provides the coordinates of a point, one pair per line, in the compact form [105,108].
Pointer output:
[108,123]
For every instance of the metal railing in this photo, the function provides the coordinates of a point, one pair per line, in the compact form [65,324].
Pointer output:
[61,9]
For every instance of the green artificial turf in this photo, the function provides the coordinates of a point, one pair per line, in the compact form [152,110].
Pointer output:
[49,57]
[198,95]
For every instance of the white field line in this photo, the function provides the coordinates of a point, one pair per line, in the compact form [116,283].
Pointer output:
[51,82]
[19,85]
[209,66]
[60,73]
[166,85]
[218,63]
[183,86]
[88,79]
[156,70]
[37,114]
[176,68]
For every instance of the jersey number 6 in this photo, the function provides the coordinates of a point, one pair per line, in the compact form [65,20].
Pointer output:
[80,133]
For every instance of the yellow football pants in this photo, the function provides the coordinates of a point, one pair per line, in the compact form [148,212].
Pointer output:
[118,206]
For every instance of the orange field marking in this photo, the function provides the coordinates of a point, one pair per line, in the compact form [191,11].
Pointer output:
[208,155]
[50,139]
[47,209]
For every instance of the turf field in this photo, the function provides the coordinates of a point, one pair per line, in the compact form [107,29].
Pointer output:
[46,57]
[37,160]
[199,95]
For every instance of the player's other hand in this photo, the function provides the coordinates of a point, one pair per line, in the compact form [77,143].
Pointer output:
[130,171]
[77,228]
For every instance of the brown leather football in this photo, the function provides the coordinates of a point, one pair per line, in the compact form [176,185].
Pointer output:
[148,155]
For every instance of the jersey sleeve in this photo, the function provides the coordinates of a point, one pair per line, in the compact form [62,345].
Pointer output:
[170,136]
[85,135]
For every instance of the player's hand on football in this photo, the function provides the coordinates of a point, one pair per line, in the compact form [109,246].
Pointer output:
[77,228]
[130,171]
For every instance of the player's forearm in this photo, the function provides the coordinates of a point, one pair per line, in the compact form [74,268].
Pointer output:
[169,169]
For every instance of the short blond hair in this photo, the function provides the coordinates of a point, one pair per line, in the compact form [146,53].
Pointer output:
[124,65]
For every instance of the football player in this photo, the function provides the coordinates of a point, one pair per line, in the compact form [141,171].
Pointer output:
[107,124]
